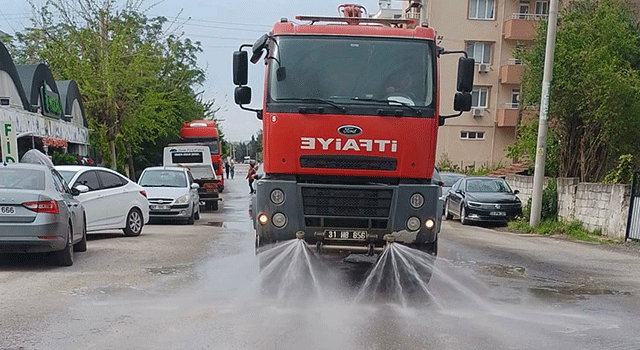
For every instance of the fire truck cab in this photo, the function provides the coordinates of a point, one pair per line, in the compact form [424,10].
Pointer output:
[350,118]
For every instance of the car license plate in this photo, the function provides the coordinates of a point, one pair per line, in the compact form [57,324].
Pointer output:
[340,234]
[7,210]
[160,207]
[498,213]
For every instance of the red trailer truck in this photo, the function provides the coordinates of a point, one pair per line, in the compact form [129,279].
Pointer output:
[205,132]
[350,119]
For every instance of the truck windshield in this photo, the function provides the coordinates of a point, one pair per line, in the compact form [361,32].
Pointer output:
[350,70]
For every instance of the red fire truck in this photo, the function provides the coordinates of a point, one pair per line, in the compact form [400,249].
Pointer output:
[205,132]
[350,122]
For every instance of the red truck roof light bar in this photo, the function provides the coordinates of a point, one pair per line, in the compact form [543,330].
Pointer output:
[357,20]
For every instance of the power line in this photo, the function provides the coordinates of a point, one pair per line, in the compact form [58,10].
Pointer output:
[217,22]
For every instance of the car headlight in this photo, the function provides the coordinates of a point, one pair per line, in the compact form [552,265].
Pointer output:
[277,196]
[413,223]
[279,220]
[183,199]
[474,204]
[417,200]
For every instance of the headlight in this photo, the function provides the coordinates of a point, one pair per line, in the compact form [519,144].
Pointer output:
[183,199]
[417,200]
[277,196]
[263,219]
[429,224]
[413,224]
[279,220]
[474,204]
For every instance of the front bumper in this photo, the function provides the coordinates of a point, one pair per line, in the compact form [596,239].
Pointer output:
[178,211]
[492,215]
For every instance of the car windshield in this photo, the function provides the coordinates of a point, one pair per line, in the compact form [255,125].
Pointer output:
[24,179]
[163,178]
[67,175]
[349,70]
[449,179]
[487,185]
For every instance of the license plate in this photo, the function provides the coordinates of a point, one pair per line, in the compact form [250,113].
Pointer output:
[7,210]
[160,207]
[340,234]
[498,213]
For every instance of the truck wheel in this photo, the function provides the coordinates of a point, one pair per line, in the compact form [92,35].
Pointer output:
[214,205]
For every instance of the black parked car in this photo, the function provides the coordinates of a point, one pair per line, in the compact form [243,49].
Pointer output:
[482,198]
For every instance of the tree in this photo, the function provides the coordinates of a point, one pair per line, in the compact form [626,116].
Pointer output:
[595,93]
[136,80]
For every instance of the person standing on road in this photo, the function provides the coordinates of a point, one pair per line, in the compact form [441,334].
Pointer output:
[250,177]
[232,168]
[226,168]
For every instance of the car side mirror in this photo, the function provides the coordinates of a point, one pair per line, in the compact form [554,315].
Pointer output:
[516,191]
[195,186]
[79,189]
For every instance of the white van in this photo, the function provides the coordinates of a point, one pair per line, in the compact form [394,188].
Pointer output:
[198,159]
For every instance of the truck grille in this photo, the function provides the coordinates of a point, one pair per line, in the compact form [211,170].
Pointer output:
[364,203]
[348,162]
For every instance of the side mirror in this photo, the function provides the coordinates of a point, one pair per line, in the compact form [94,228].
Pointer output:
[466,70]
[242,95]
[195,186]
[516,192]
[240,68]
[462,102]
[77,190]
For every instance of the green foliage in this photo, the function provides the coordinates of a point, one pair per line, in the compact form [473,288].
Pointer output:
[445,164]
[549,208]
[137,81]
[484,169]
[60,158]
[623,173]
[527,142]
[595,94]
[573,229]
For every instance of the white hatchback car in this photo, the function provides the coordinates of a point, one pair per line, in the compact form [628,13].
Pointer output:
[112,202]
[172,193]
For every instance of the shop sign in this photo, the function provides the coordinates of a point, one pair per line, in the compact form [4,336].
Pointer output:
[51,106]
[9,143]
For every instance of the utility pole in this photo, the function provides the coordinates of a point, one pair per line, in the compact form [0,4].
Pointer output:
[541,148]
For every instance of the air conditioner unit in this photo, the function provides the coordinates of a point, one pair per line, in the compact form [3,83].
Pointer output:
[483,68]
[478,112]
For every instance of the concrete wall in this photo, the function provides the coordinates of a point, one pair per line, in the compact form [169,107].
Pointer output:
[602,207]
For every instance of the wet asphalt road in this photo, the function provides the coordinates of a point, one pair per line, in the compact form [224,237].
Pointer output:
[197,287]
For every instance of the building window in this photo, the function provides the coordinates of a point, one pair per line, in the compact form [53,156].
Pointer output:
[481,9]
[524,10]
[542,8]
[479,97]
[515,97]
[472,135]
[480,52]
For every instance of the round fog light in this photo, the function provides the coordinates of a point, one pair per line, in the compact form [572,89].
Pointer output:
[277,196]
[263,219]
[279,220]
[413,224]
[429,224]
[417,200]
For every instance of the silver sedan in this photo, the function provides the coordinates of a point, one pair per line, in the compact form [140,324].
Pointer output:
[39,213]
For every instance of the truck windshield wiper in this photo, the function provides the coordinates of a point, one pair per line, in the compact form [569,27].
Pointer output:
[388,102]
[313,100]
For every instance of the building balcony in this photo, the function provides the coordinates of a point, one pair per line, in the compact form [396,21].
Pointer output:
[511,72]
[521,26]
[507,115]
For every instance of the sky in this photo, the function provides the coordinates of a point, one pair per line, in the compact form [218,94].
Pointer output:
[221,27]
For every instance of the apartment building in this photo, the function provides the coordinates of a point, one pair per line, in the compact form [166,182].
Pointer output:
[489,31]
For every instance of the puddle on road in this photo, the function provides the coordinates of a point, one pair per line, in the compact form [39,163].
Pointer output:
[565,293]
[171,270]
[216,223]
[506,271]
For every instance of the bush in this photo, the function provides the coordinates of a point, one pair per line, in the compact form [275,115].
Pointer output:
[549,209]
[60,158]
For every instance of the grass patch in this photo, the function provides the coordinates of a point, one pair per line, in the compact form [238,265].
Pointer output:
[573,229]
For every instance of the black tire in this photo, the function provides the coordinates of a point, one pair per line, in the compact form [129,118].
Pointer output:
[64,257]
[214,205]
[134,223]
[463,215]
[192,219]
[447,213]
[82,245]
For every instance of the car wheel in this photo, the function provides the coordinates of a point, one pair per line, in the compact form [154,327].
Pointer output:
[192,219]
[463,215]
[82,245]
[134,223]
[64,257]
[447,214]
